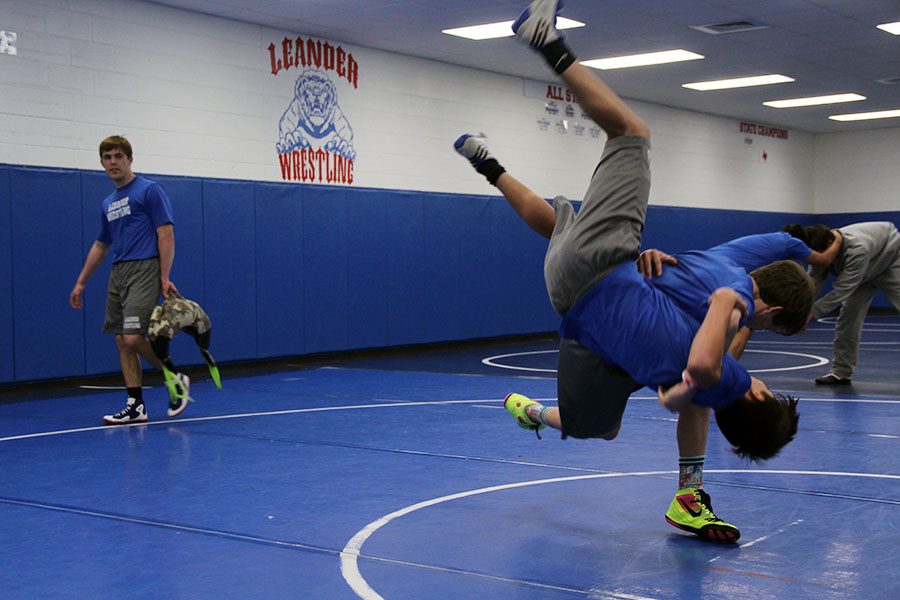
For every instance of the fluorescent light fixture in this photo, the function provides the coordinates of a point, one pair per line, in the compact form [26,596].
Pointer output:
[489,31]
[890,27]
[641,60]
[725,84]
[814,100]
[881,114]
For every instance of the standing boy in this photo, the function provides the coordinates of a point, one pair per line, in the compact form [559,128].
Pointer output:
[136,224]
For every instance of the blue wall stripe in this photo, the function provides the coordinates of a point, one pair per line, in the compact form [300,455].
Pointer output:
[405,267]
[325,269]
[100,354]
[46,258]
[229,252]
[188,271]
[369,246]
[279,270]
[7,363]
[445,287]
[286,269]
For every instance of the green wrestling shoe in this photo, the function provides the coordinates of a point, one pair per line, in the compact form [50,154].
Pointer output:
[515,405]
[691,510]
[179,386]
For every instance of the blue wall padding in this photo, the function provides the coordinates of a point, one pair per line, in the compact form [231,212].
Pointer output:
[279,271]
[405,267]
[188,271]
[7,364]
[229,249]
[100,354]
[480,292]
[369,249]
[444,294]
[676,229]
[189,200]
[511,243]
[46,258]
[325,270]
[286,269]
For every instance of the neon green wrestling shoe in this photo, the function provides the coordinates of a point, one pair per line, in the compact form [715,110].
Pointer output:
[691,510]
[179,386]
[515,405]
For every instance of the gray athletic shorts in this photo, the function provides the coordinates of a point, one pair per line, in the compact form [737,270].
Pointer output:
[133,292]
[607,230]
[584,247]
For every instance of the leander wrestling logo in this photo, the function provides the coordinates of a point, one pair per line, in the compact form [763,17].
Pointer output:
[315,139]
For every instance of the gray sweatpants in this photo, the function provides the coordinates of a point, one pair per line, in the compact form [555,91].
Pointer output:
[583,248]
[849,323]
[607,230]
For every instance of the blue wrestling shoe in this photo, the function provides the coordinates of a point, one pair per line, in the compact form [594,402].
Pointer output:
[536,26]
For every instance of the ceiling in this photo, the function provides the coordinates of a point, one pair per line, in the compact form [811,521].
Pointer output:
[827,46]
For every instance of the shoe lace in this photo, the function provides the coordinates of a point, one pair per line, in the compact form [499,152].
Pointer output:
[131,408]
[706,502]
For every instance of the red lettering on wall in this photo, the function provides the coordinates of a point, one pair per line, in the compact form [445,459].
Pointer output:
[315,166]
[328,57]
[304,53]
[352,71]
[285,161]
[276,63]
[300,56]
[341,57]
[314,52]
[763,130]
[287,50]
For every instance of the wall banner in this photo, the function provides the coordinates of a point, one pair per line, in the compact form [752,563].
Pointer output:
[763,130]
[315,137]
[560,109]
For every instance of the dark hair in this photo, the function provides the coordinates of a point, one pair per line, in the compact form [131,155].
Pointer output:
[758,430]
[784,283]
[113,142]
[797,231]
[819,237]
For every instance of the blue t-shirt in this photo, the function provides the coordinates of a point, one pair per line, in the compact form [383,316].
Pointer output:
[129,218]
[697,275]
[628,322]
[753,251]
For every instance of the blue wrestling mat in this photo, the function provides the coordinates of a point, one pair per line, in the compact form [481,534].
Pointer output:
[400,476]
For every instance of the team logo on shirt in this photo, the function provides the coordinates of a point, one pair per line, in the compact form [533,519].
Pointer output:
[118,209]
[315,139]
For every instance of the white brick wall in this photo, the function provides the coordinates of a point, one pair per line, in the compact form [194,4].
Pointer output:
[196,97]
[858,172]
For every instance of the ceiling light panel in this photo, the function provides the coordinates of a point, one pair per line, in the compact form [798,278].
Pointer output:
[489,31]
[890,27]
[881,114]
[814,100]
[641,60]
[725,84]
